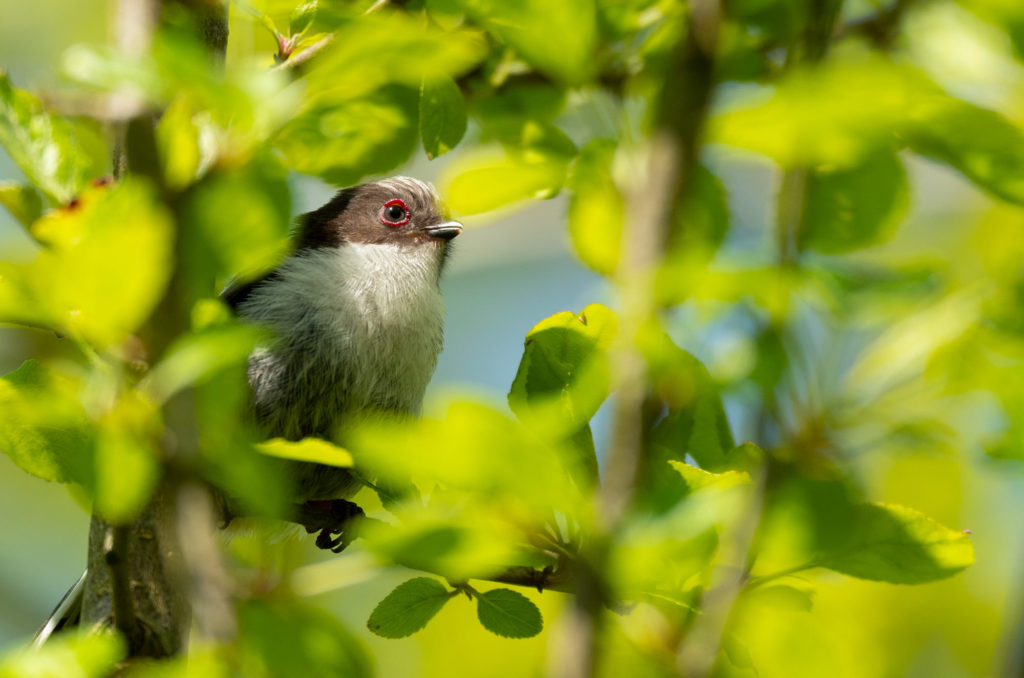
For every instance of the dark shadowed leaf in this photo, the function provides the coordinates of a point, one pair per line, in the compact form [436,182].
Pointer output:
[442,115]
[408,608]
[896,544]
[508,614]
[289,639]
[984,146]
[848,208]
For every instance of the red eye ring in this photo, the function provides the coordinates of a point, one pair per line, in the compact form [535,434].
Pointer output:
[388,219]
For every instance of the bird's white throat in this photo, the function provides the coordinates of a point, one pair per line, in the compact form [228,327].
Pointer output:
[368,315]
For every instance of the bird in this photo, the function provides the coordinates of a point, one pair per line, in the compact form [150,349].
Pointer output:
[354,316]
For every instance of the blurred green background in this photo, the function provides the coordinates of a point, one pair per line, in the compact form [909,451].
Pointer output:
[515,268]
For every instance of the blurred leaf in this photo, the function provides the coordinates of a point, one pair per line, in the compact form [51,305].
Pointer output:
[564,366]
[22,201]
[408,608]
[43,427]
[562,379]
[704,220]
[343,141]
[596,208]
[254,239]
[444,538]
[370,52]
[57,156]
[695,423]
[774,21]
[312,450]
[472,447]
[442,115]
[67,655]
[832,114]
[557,38]
[286,639]
[195,356]
[892,543]
[697,479]
[849,208]
[485,182]
[983,145]
[72,282]
[126,466]
[508,614]
[177,139]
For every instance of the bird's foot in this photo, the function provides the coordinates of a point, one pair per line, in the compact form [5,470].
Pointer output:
[333,519]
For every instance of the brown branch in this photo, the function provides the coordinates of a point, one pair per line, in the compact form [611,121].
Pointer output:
[116,555]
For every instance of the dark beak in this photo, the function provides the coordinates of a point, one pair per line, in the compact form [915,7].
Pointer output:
[445,231]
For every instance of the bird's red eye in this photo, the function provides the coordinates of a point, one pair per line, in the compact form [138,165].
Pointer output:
[394,213]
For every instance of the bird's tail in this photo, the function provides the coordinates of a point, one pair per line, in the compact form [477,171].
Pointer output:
[67,613]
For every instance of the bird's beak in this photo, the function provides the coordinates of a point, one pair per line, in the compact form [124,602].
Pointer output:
[445,231]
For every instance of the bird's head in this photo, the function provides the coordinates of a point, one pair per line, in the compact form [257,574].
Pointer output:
[399,211]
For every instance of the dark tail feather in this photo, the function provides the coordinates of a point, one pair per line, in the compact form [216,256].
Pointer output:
[65,615]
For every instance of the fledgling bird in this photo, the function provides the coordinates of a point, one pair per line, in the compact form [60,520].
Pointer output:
[355,315]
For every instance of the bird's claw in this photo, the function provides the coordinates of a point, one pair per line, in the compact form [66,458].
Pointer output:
[333,519]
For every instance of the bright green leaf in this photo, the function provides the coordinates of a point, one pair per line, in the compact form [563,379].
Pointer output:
[486,182]
[408,608]
[73,280]
[43,427]
[177,139]
[71,655]
[22,201]
[508,614]
[442,115]
[314,450]
[126,465]
[596,208]
[57,156]
[697,479]
[886,542]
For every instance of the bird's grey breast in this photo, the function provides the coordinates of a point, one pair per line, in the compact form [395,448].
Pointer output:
[356,328]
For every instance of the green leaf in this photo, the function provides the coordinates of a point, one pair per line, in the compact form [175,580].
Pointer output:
[831,114]
[177,139]
[68,655]
[562,380]
[289,639]
[57,156]
[43,427]
[487,181]
[73,283]
[343,141]
[508,614]
[891,543]
[255,239]
[313,450]
[849,208]
[981,144]
[556,38]
[196,356]
[596,208]
[442,115]
[408,608]
[697,479]
[22,201]
[126,464]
